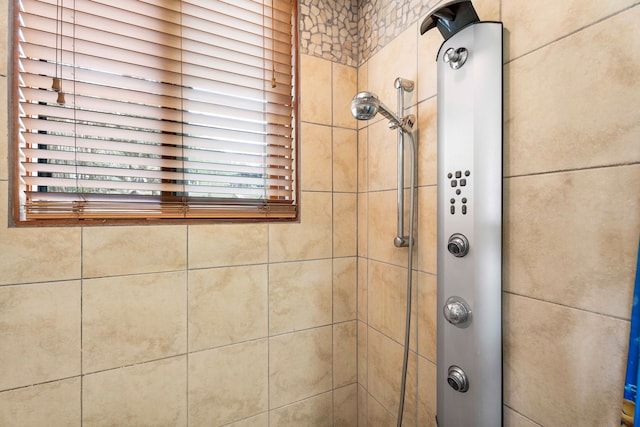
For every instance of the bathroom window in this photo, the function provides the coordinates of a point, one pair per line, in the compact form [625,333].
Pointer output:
[165,110]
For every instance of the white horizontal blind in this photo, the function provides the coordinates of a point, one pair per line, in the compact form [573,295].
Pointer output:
[172,109]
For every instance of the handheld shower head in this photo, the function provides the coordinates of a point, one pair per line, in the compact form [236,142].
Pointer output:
[365,105]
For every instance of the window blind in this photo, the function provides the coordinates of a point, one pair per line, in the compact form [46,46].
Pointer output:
[155,109]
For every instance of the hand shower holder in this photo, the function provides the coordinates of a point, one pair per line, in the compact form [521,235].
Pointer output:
[405,125]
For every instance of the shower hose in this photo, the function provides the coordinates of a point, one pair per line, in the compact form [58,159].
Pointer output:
[405,360]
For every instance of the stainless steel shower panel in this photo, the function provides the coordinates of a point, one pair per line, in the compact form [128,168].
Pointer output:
[470,227]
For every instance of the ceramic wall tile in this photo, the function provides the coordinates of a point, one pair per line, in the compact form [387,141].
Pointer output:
[316,411]
[378,415]
[227,305]
[427,393]
[560,118]
[363,159]
[345,228]
[363,289]
[300,366]
[345,406]
[344,354]
[345,297]
[149,394]
[40,333]
[133,319]
[315,90]
[112,251]
[316,156]
[427,142]
[384,371]
[397,59]
[427,240]
[567,237]
[4,114]
[363,409]
[345,160]
[223,245]
[363,224]
[300,295]
[488,10]
[382,155]
[261,420]
[309,239]
[427,79]
[54,404]
[363,85]
[362,353]
[534,25]
[553,352]
[511,418]
[427,285]
[382,228]
[228,384]
[344,86]
[387,299]
[31,255]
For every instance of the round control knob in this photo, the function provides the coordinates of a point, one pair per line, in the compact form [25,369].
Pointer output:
[457,311]
[456,57]
[457,379]
[458,245]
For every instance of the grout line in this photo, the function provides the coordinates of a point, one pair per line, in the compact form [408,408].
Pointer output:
[268,327]
[82,230]
[584,310]
[188,344]
[333,238]
[128,365]
[522,415]
[23,387]
[586,168]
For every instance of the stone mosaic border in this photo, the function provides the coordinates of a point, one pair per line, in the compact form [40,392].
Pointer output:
[351,31]
[329,30]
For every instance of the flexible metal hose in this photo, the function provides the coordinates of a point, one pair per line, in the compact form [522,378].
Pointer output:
[405,360]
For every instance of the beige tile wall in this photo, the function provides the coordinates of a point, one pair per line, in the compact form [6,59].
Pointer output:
[223,324]
[257,325]
[571,216]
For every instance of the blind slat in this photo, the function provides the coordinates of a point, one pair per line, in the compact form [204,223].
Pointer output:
[201,148]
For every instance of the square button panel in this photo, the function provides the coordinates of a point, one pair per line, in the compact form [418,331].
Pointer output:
[456,181]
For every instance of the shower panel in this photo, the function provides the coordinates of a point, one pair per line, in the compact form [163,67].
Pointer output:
[469,63]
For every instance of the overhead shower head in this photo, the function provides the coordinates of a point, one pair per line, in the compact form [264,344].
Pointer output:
[365,105]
